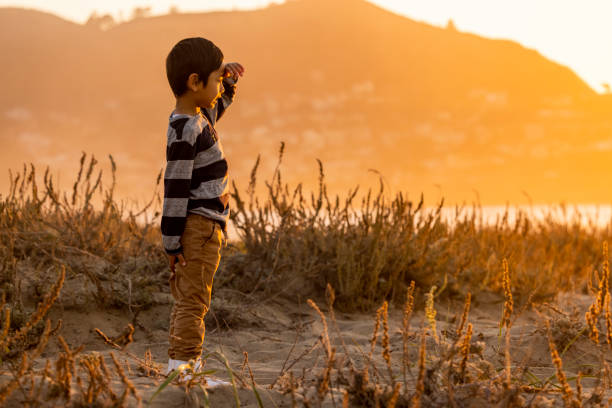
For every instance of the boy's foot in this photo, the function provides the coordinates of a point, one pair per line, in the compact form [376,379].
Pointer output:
[186,373]
[174,364]
[184,368]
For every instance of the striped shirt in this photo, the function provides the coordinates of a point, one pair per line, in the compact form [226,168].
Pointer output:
[196,175]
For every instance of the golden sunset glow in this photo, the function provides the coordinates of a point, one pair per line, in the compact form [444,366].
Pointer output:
[305,203]
[503,103]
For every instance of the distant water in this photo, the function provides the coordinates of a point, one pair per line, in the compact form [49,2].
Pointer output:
[588,215]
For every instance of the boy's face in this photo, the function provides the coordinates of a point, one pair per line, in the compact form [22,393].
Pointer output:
[207,95]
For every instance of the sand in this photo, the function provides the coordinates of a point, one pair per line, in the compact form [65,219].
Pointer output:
[282,336]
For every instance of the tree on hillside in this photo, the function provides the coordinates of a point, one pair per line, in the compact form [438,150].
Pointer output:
[141,12]
[102,22]
[450,25]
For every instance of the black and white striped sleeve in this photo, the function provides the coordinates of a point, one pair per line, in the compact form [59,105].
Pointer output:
[180,155]
[229,86]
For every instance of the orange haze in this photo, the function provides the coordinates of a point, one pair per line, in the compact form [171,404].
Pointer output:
[434,110]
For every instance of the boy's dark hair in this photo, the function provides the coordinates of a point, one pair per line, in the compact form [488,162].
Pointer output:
[191,55]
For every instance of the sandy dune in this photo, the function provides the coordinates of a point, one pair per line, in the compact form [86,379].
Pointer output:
[282,336]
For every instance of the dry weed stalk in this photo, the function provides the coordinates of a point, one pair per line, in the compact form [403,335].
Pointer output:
[420,385]
[106,339]
[465,352]
[591,317]
[146,365]
[245,359]
[408,308]
[129,386]
[128,366]
[107,377]
[508,361]
[41,310]
[12,384]
[121,341]
[104,368]
[293,387]
[23,374]
[606,297]
[330,295]
[386,347]
[65,368]
[430,311]
[325,334]
[394,396]
[127,337]
[464,315]
[601,303]
[98,382]
[374,337]
[555,309]
[6,325]
[579,387]
[568,395]
[508,301]
[325,380]
[605,284]
[608,318]
[248,366]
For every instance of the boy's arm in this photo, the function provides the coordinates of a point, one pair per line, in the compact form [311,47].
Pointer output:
[232,72]
[215,113]
[180,155]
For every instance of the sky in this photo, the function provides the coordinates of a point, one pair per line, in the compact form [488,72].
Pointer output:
[577,34]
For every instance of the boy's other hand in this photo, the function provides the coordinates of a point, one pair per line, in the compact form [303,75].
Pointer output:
[173,258]
[233,70]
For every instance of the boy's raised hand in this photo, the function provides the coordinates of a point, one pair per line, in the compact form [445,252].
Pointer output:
[233,70]
[173,258]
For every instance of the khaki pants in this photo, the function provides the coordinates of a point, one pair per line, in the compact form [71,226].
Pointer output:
[191,286]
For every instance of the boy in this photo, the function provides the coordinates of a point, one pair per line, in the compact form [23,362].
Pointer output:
[196,190]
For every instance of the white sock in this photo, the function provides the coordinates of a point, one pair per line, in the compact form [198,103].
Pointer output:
[174,364]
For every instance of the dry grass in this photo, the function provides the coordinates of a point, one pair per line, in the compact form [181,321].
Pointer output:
[369,247]
[109,255]
[373,250]
[102,251]
[451,372]
[72,379]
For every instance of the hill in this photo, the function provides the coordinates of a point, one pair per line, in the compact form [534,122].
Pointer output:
[433,109]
